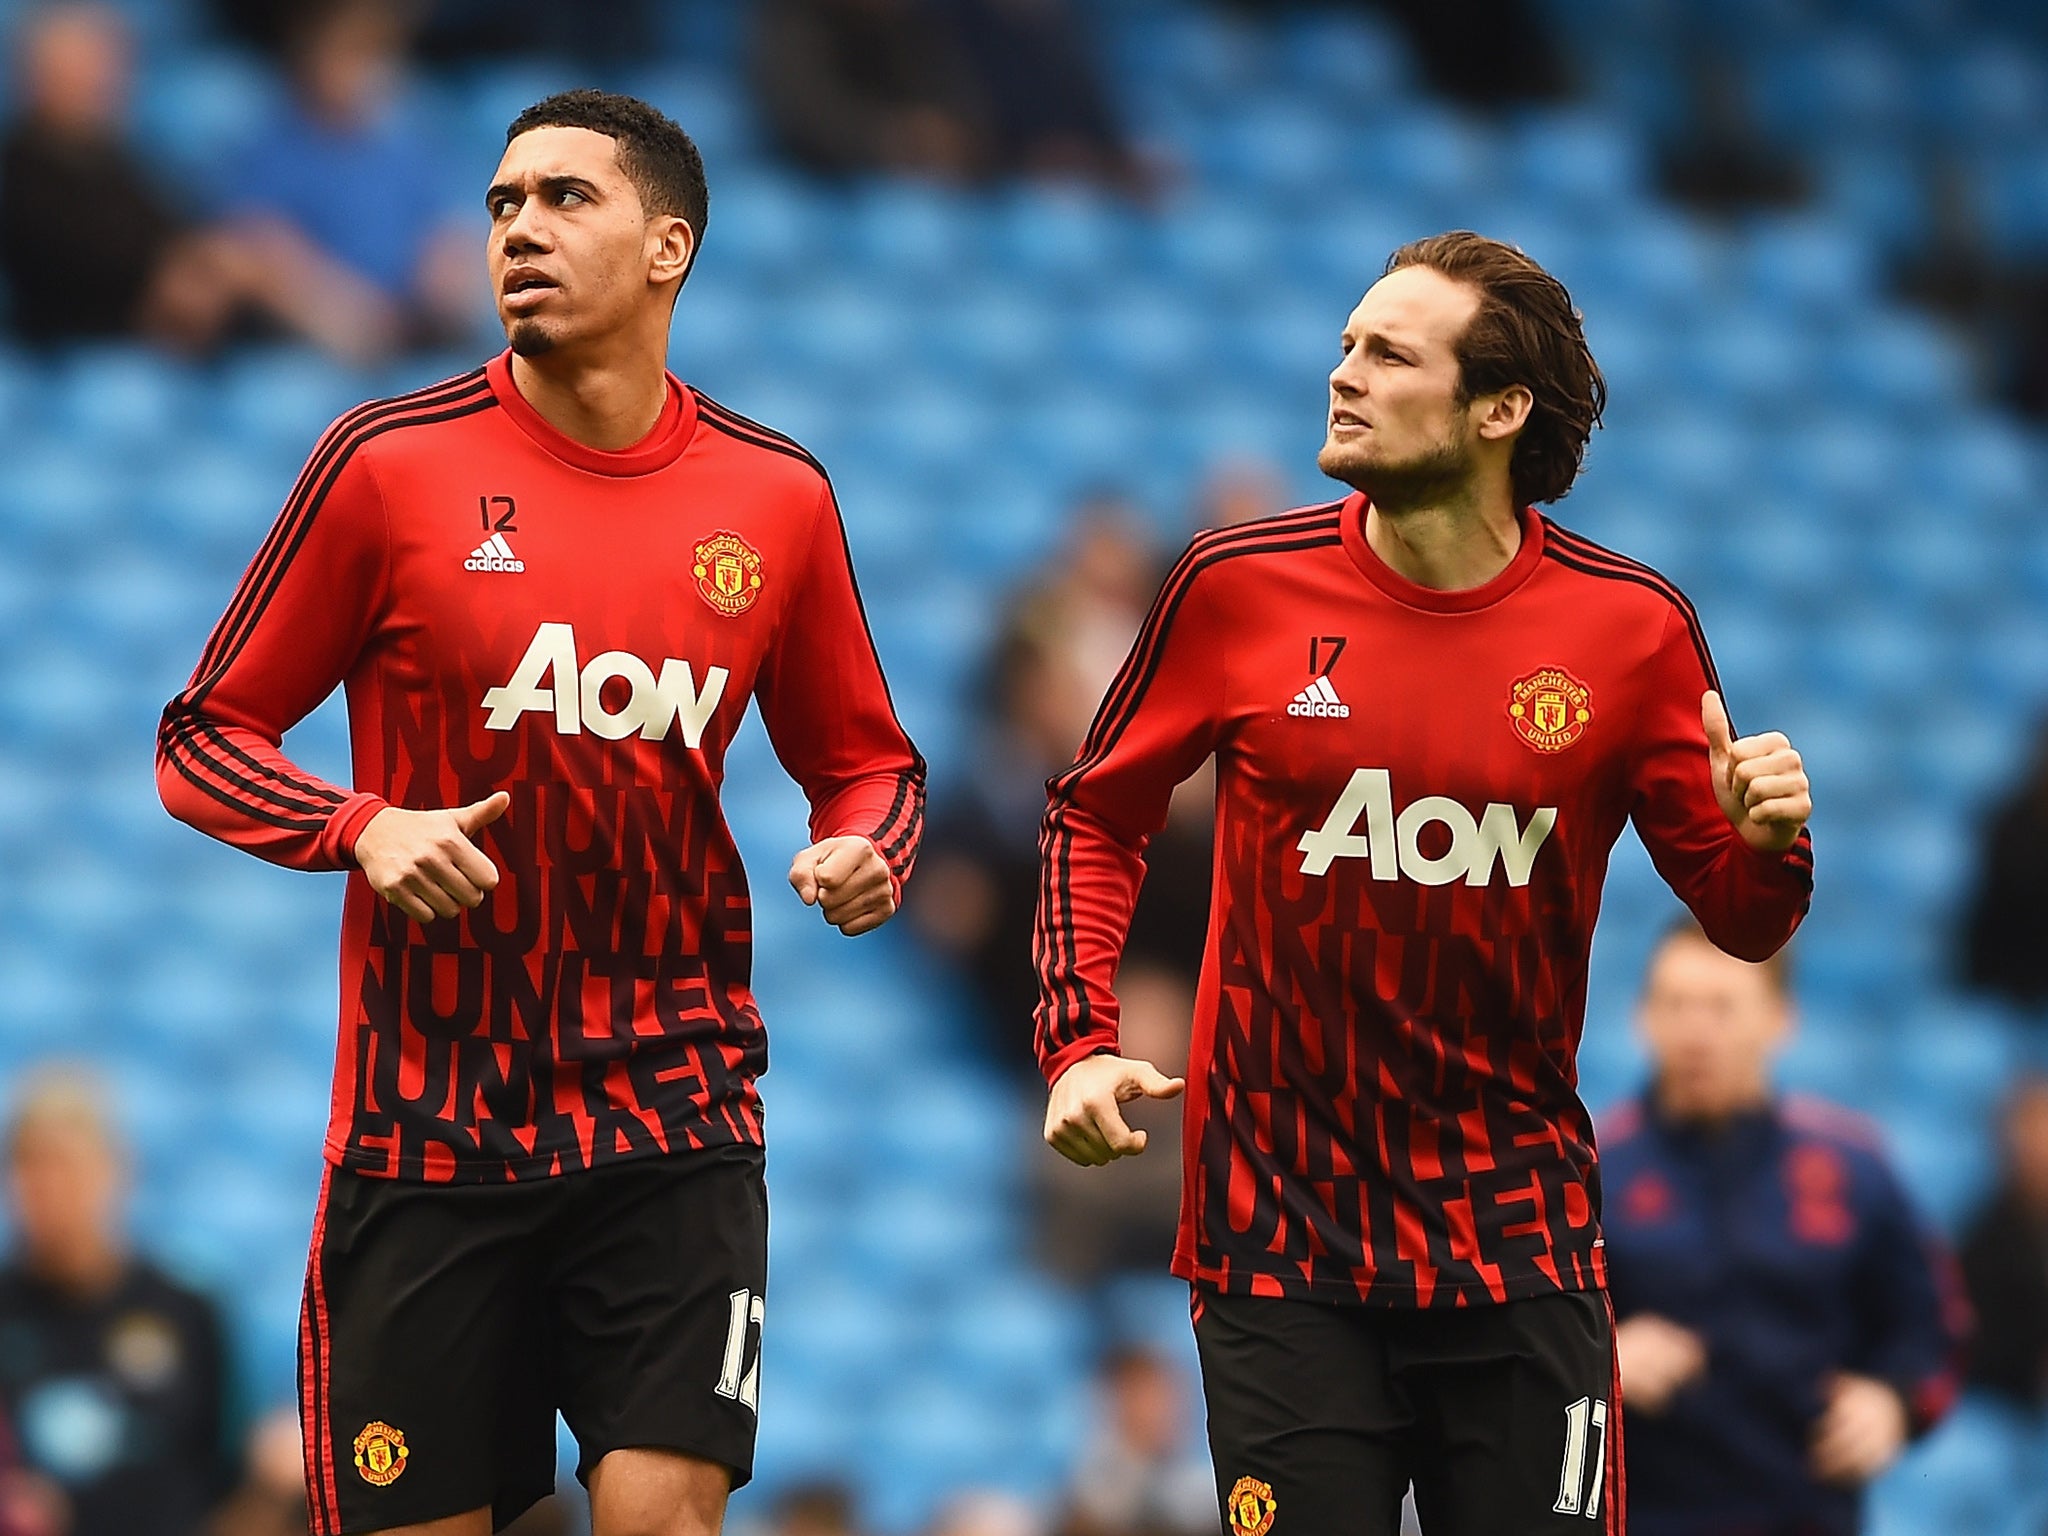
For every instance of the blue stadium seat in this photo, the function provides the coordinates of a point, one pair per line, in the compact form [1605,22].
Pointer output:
[196,107]
[1015,1336]
[1583,164]
[1880,193]
[56,504]
[712,105]
[1282,149]
[966,1129]
[1987,96]
[912,1237]
[806,1432]
[930,1435]
[1342,58]
[1946,1168]
[1806,270]
[1429,157]
[1750,361]
[1846,88]
[1890,362]
[1200,53]
[1979,1471]
[842,1335]
[1061,239]
[220,503]
[1658,263]
[282,398]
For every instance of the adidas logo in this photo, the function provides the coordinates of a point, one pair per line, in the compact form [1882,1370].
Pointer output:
[494,554]
[1319,701]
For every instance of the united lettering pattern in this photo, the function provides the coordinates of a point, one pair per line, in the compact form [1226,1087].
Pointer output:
[597,1005]
[1383,1098]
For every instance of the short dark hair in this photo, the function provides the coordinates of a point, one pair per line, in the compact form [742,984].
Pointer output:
[1777,969]
[1524,332]
[655,154]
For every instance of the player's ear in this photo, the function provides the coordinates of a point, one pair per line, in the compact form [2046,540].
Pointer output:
[1504,414]
[672,247]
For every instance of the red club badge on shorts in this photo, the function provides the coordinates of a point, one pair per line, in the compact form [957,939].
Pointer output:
[1549,709]
[381,1454]
[728,572]
[1251,1507]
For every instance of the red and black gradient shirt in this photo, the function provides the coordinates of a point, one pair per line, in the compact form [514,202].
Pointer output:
[510,609]
[1417,793]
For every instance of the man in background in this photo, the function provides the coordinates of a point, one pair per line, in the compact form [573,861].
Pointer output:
[2005,1263]
[1139,1476]
[1786,1325]
[94,243]
[114,1375]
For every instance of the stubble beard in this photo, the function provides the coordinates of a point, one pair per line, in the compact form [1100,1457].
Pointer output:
[1429,479]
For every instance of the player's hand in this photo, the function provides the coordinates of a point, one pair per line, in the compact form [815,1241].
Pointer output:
[1658,1359]
[1082,1122]
[848,879]
[424,862]
[1759,780]
[1860,1431]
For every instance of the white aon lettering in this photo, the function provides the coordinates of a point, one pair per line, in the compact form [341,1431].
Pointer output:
[1393,844]
[576,696]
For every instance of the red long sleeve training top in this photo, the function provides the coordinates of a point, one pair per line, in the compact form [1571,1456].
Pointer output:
[1417,793]
[510,609]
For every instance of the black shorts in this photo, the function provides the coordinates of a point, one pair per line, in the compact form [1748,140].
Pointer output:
[1507,1419]
[444,1326]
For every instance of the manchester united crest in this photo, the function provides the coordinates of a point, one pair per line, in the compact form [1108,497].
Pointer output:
[1251,1507]
[380,1453]
[728,572]
[1550,709]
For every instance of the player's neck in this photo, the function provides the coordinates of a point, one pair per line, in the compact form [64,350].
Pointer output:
[1712,1111]
[85,1270]
[608,402]
[1452,545]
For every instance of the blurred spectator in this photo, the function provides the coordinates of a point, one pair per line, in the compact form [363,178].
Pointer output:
[1239,490]
[30,1504]
[1493,53]
[1785,1323]
[2007,913]
[272,1498]
[985,1512]
[825,1507]
[352,203]
[616,32]
[1068,632]
[114,1375]
[1065,635]
[610,32]
[1049,113]
[90,246]
[2005,1262]
[957,89]
[1140,1474]
[1720,160]
[868,85]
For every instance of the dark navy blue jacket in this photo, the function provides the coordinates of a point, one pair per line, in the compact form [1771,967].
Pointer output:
[1785,1240]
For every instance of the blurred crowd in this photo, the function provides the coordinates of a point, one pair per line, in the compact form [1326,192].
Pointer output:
[337,222]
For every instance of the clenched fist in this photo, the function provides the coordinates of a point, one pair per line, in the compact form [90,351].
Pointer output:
[848,880]
[1759,780]
[424,863]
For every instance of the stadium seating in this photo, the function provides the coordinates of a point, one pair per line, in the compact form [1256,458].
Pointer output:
[1811,461]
